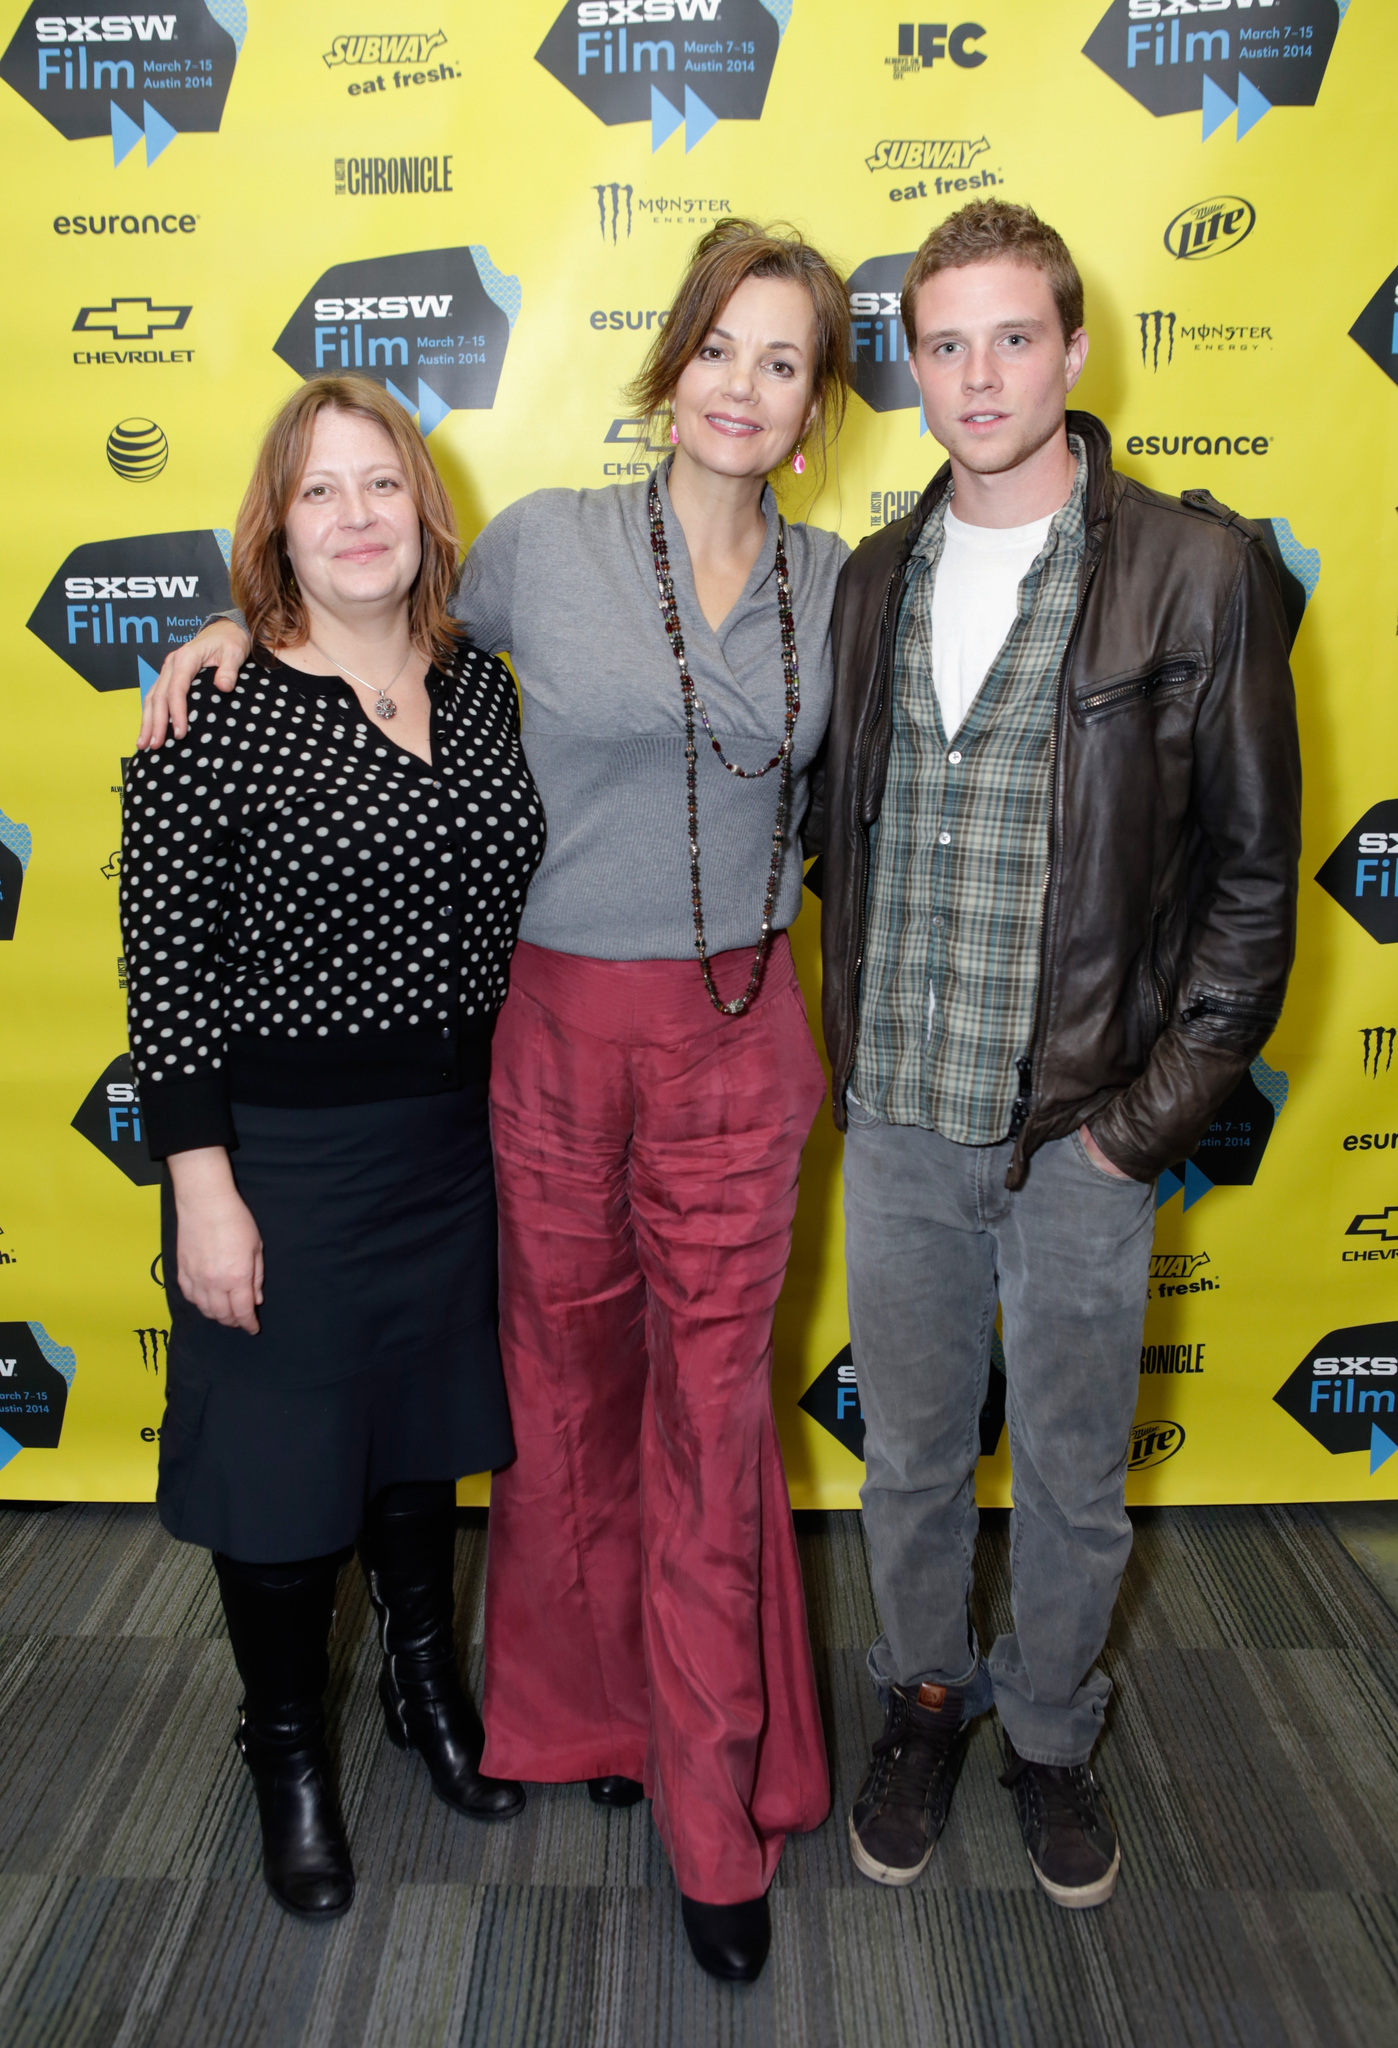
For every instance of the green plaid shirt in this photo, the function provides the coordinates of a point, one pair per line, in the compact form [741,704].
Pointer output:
[956,894]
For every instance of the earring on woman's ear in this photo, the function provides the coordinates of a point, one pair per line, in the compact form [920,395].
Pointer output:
[674,432]
[798,461]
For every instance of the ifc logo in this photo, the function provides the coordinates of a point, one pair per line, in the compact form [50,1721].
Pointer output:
[137,450]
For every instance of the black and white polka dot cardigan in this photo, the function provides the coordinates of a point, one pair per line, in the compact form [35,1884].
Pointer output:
[312,915]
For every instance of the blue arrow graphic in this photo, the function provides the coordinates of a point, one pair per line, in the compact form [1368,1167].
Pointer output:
[665,118]
[698,119]
[159,133]
[1381,1449]
[125,134]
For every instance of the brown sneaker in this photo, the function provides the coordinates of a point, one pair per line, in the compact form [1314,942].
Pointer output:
[905,1798]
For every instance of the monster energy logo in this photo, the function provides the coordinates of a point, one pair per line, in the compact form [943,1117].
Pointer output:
[155,1345]
[1378,1047]
[612,194]
[1155,328]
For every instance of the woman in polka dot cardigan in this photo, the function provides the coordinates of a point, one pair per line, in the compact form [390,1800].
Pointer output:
[321,887]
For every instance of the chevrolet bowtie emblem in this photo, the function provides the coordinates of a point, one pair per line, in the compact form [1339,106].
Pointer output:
[1384,1225]
[131,319]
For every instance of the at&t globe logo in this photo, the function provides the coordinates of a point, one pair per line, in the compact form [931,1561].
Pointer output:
[137,450]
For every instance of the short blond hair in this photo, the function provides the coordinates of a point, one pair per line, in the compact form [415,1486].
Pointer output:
[263,585]
[988,229]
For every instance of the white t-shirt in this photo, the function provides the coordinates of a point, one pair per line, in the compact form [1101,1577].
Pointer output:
[973,605]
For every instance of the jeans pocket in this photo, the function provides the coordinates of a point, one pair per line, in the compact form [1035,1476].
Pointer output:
[1119,1180]
[857,1115]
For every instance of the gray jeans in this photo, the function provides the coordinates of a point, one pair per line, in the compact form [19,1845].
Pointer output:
[933,1238]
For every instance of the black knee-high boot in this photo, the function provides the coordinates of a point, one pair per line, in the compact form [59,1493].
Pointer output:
[407,1548]
[278,1617]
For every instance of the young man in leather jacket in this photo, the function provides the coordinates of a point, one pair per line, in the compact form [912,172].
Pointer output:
[1060,828]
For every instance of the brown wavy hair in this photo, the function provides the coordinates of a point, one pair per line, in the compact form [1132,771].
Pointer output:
[263,585]
[983,231]
[731,252]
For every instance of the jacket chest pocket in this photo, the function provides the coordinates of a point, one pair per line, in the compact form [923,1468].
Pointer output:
[1174,675]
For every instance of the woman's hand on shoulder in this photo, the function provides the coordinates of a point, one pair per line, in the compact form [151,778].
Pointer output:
[218,1246]
[220,645]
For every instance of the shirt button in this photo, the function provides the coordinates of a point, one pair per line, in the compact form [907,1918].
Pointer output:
[955,757]
[937,923]
[944,839]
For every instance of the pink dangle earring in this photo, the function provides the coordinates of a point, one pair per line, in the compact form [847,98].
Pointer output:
[674,433]
[798,461]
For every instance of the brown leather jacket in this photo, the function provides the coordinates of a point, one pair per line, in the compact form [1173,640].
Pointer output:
[1170,896]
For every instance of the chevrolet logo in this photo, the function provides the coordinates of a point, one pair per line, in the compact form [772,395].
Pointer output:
[1384,1225]
[130,319]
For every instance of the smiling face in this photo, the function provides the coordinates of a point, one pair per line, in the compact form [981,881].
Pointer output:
[992,363]
[744,401]
[352,530]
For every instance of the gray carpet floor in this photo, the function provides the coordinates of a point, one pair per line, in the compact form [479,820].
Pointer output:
[1251,1758]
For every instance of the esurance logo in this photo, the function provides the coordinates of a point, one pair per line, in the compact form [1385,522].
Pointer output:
[1219,57]
[35,1377]
[132,76]
[1343,1386]
[675,63]
[116,607]
[1376,329]
[1211,227]
[431,327]
[1362,873]
[110,1118]
[391,49]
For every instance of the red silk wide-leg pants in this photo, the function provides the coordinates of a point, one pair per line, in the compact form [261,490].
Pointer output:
[644,1608]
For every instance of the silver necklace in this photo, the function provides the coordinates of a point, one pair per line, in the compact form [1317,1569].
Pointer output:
[385,706]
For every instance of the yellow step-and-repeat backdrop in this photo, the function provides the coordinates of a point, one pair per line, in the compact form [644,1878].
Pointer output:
[487,206]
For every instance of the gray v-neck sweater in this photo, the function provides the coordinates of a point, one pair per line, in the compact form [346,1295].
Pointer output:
[564,583]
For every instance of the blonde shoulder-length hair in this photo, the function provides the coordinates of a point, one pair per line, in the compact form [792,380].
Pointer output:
[263,585]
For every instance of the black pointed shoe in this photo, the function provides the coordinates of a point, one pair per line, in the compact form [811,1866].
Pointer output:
[305,1856]
[902,1806]
[618,1792]
[1067,1829]
[406,1548]
[730,1942]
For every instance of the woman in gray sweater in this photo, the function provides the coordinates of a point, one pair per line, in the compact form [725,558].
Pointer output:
[645,1622]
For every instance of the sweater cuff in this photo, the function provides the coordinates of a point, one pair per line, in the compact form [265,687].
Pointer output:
[184,1116]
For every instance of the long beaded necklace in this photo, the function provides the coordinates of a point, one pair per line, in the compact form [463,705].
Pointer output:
[670,613]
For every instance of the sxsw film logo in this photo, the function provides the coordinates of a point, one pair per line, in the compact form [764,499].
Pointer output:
[435,324]
[116,607]
[132,76]
[675,63]
[16,845]
[1211,227]
[110,1118]
[1231,1149]
[1376,329]
[1342,1386]
[1217,56]
[1362,873]
[878,346]
[832,1400]
[35,1377]
[922,45]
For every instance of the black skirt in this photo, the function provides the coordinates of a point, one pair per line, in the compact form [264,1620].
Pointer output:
[377,1360]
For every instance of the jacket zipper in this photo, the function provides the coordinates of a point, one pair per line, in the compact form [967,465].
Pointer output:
[1023,1104]
[1140,686]
[862,838]
[1220,1006]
